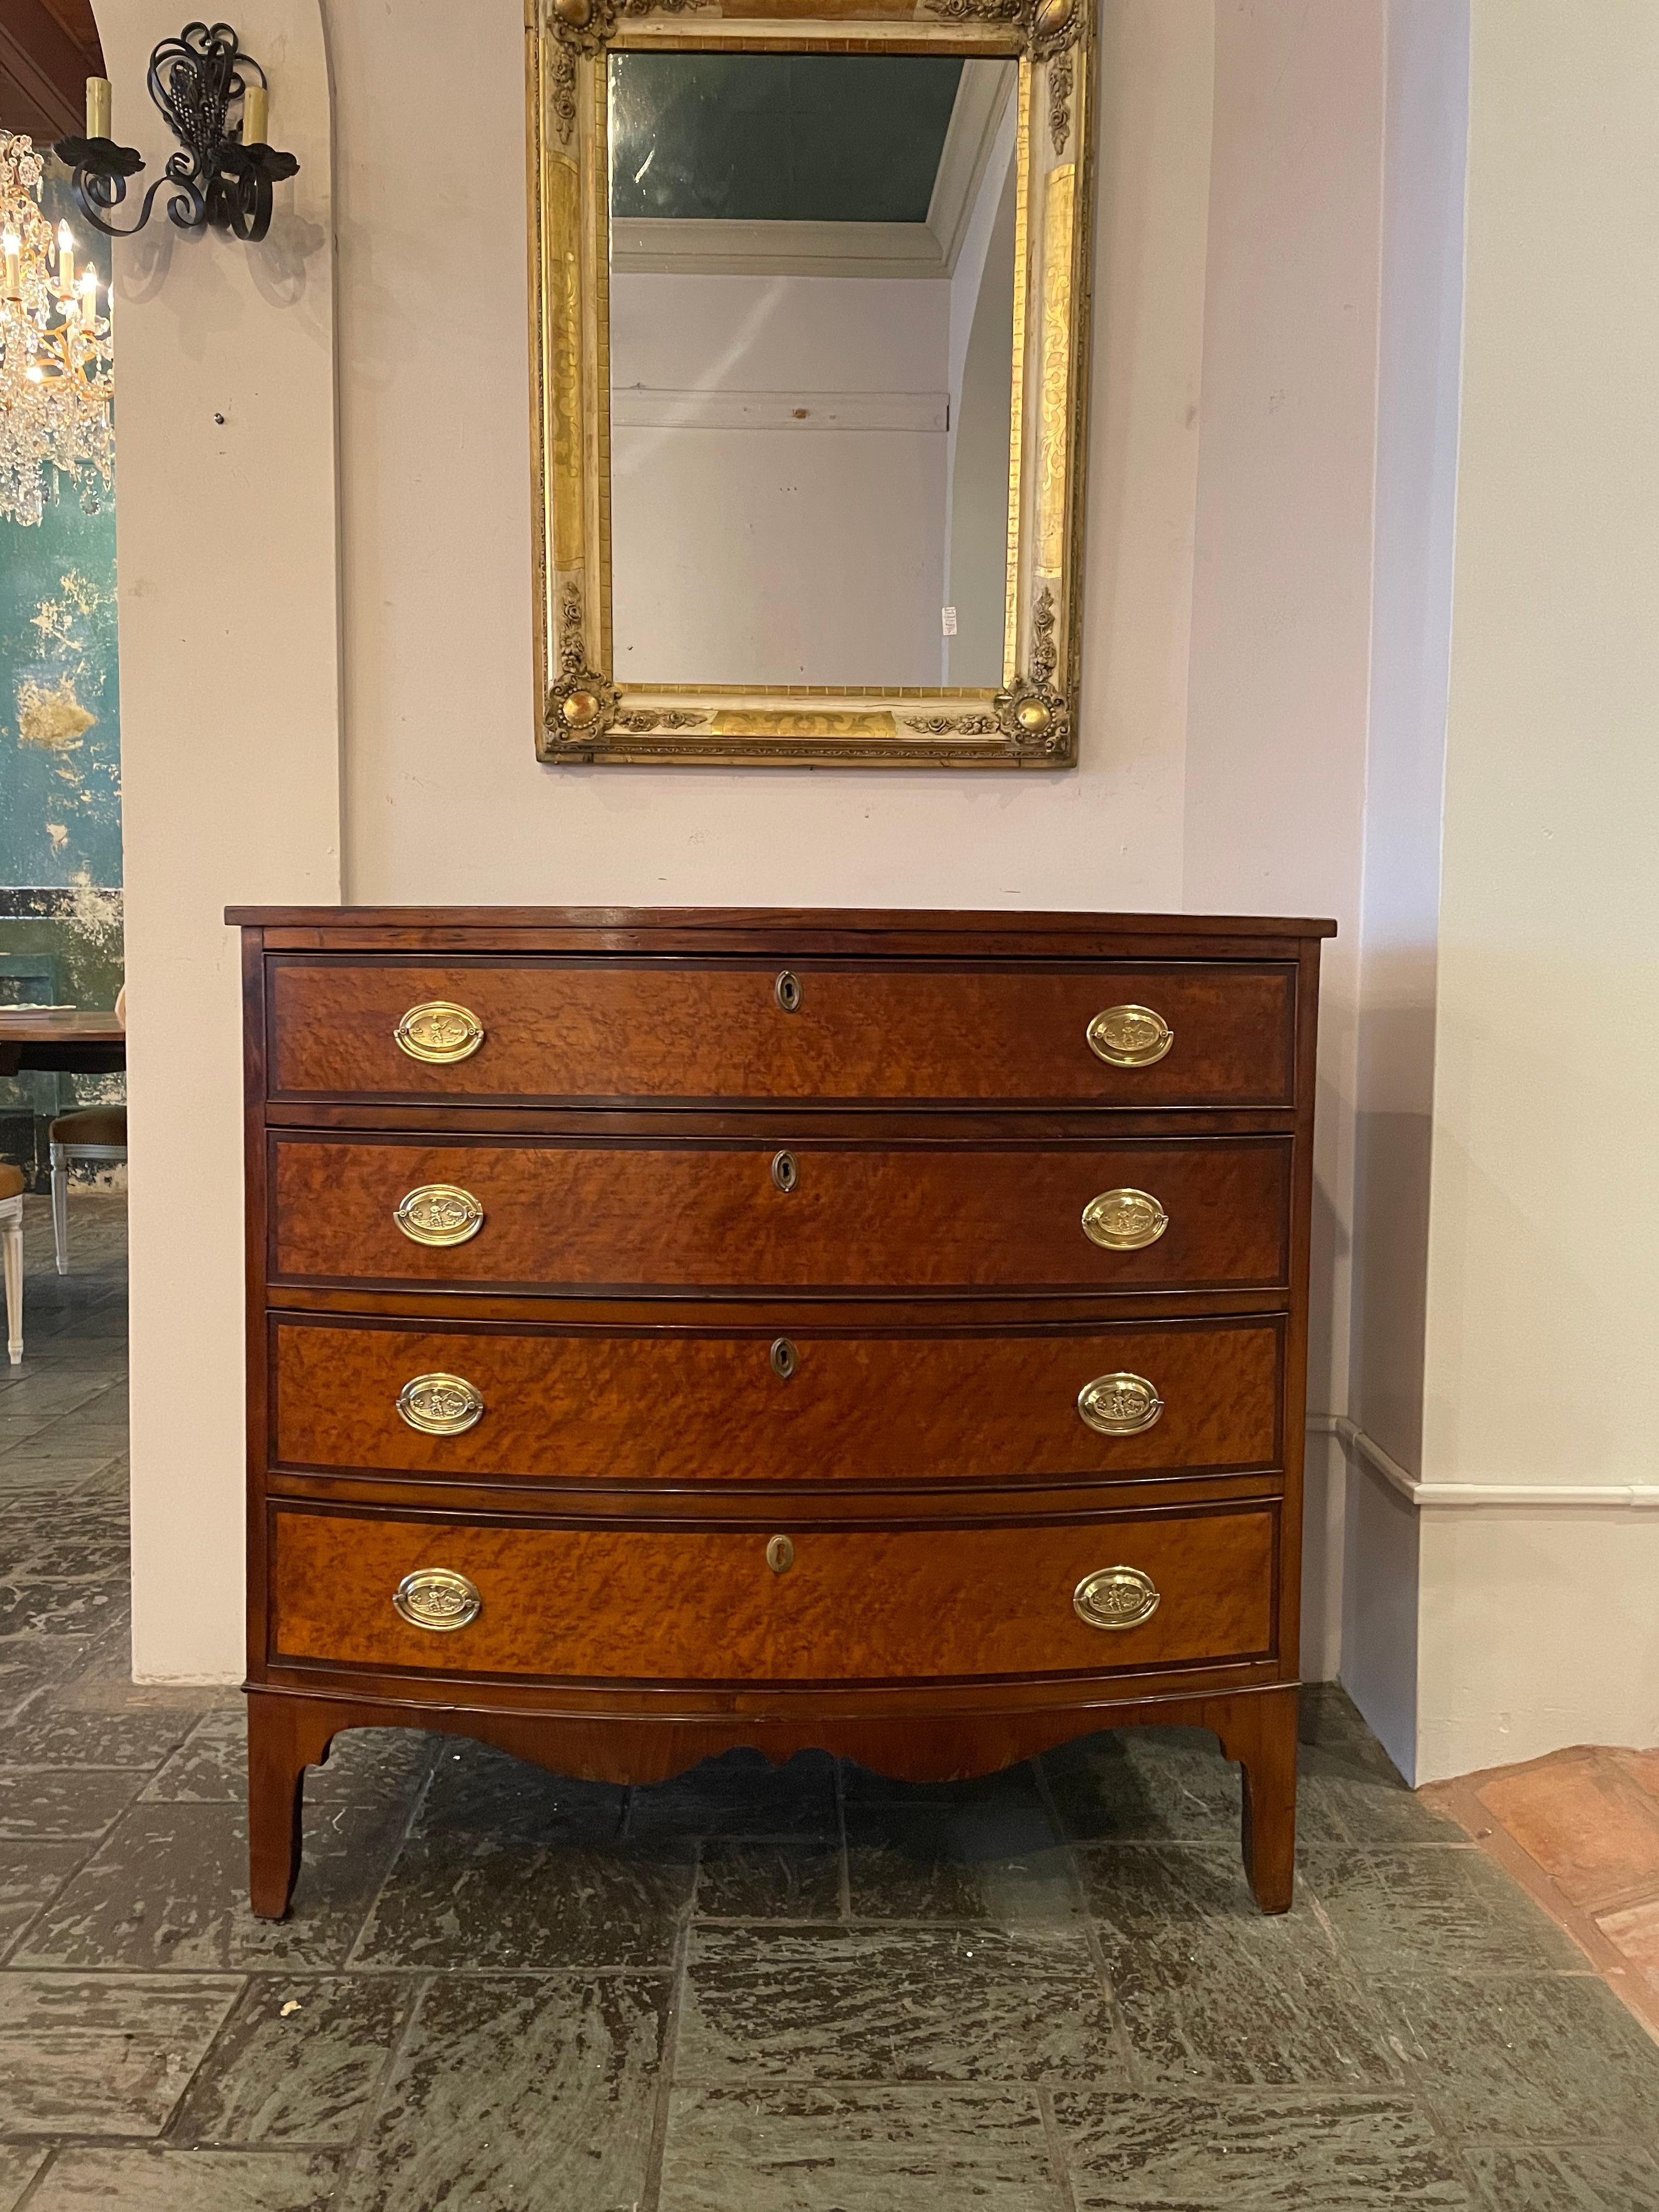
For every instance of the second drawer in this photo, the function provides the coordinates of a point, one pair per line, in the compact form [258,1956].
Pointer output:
[1152,1214]
[685,1407]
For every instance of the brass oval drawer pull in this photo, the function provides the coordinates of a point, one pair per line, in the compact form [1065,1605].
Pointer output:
[1119,1405]
[439,1213]
[785,1357]
[439,1598]
[780,1555]
[786,990]
[440,1031]
[785,1170]
[440,1405]
[1129,1036]
[1124,1220]
[1115,1597]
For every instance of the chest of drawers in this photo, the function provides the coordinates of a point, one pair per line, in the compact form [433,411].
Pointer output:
[671,1330]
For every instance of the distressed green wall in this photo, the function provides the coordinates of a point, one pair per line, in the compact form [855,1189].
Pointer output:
[60,773]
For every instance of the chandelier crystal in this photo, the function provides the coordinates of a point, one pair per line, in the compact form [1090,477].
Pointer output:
[56,376]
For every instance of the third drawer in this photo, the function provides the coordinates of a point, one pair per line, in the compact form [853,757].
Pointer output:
[691,1405]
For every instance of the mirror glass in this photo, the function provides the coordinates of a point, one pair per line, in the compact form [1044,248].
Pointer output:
[812,339]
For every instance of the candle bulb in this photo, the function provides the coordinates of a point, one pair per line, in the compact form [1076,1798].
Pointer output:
[12,246]
[65,258]
[256,115]
[98,107]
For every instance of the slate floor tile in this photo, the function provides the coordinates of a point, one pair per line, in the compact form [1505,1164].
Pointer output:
[517,2095]
[1263,2154]
[31,1875]
[167,1889]
[1533,2057]
[899,2004]
[769,1878]
[297,2062]
[931,1862]
[1598,2178]
[1015,1788]
[210,1765]
[801,2149]
[1450,1908]
[47,1735]
[63,1800]
[82,2178]
[102,2054]
[741,1793]
[510,1866]
[19,2164]
[54,1609]
[1145,1785]
[1214,1990]
[529,1903]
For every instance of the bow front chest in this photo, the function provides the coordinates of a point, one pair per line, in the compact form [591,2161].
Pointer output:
[669,1330]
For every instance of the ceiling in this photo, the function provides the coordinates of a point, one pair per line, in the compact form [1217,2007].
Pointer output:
[48,49]
[779,137]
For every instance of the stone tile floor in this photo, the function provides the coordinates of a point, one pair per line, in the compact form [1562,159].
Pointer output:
[807,1991]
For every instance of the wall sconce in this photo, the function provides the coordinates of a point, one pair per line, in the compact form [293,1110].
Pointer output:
[217,178]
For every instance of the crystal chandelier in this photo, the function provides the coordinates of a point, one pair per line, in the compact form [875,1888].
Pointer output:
[57,380]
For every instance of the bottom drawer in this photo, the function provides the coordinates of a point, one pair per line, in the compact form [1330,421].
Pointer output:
[763,1603]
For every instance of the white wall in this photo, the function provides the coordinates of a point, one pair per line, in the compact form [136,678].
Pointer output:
[226,525]
[1538,1625]
[1419,367]
[1250,799]
[1275,768]
[743,555]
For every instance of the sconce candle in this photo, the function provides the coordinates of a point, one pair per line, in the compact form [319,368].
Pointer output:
[216,178]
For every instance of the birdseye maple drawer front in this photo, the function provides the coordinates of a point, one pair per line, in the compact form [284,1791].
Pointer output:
[1199,1213]
[1114,1033]
[762,1604]
[654,1407]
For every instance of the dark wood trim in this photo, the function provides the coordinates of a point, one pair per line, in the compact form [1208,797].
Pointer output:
[961,930]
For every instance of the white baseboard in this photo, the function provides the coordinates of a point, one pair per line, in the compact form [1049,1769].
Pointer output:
[1366,1452]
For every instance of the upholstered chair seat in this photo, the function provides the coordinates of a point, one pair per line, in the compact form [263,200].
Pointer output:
[91,1125]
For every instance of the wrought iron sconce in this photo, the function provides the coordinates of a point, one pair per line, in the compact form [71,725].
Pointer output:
[216,178]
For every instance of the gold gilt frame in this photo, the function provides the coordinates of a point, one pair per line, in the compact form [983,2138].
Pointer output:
[585,715]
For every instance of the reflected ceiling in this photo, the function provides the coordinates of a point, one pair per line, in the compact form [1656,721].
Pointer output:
[779,137]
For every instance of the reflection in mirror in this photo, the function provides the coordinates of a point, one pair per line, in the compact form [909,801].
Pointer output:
[811,340]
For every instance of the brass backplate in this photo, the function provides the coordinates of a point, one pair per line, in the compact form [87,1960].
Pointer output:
[1117,1597]
[439,1598]
[780,1555]
[785,1170]
[1119,1405]
[785,1357]
[439,1213]
[440,1031]
[1129,1036]
[440,1405]
[1124,1220]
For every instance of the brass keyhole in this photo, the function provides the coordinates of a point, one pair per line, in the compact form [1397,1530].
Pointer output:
[785,1357]
[785,1173]
[780,1555]
[786,990]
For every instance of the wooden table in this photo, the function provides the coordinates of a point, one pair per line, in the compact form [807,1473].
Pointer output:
[65,1040]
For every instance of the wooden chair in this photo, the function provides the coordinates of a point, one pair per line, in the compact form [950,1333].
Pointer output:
[90,1133]
[11,1239]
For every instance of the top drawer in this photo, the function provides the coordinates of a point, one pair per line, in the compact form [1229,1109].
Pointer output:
[615,1032]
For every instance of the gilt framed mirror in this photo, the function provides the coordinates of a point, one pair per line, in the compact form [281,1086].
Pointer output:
[810,378]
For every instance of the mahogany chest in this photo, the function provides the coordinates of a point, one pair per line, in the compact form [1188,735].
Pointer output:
[669,1330]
